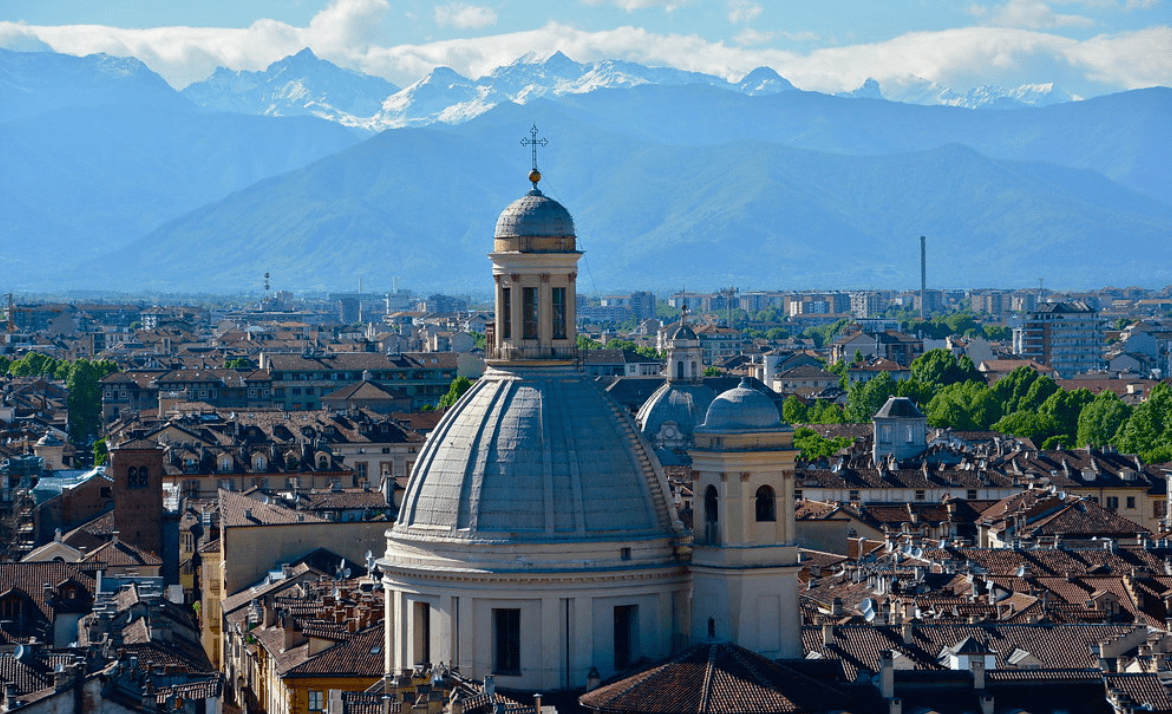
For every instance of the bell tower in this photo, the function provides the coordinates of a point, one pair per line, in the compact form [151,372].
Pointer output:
[745,558]
[137,469]
[535,267]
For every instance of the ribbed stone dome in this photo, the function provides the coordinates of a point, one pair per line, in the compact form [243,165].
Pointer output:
[741,408]
[535,215]
[683,332]
[535,455]
[684,404]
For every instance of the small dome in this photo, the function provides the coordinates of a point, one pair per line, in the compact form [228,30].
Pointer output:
[741,408]
[683,332]
[49,440]
[535,215]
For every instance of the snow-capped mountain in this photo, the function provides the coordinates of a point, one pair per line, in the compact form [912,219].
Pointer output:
[986,96]
[297,85]
[449,97]
[35,82]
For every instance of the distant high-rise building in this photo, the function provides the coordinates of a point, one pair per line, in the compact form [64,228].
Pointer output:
[1067,336]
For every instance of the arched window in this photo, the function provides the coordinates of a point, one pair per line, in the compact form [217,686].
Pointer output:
[766,504]
[710,505]
[679,370]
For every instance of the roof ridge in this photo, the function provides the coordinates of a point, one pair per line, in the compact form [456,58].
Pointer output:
[709,675]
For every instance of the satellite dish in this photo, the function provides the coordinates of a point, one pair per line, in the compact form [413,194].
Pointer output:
[918,553]
[19,652]
[868,608]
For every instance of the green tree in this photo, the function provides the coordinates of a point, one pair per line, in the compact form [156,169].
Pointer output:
[455,391]
[823,334]
[1012,389]
[793,411]
[1146,432]
[966,406]
[641,350]
[241,363]
[1100,420]
[865,398]
[824,411]
[997,333]
[814,446]
[776,334]
[711,371]
[85,397]
[939,368]
[100,451]
[1063,408]
[1026,424]
[35,364]
[585,343]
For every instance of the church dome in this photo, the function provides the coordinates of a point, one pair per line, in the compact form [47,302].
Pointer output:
[679,406]
[535,215]
[535,456]
[741,408]
[683,332]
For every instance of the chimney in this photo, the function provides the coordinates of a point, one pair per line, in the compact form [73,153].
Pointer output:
[537,702]
[978,667]
[895,706]
[887,674]
[908,631]
[828,635]
[986,704]
[490,686]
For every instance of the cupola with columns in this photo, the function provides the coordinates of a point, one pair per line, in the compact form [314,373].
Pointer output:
[535,266]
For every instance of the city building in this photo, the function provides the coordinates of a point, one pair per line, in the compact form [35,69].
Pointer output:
[1067,336]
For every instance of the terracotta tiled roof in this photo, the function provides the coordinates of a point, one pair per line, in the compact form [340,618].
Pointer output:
[1143,689]
[237,510]
[118,553]
[360,655]
[716,677]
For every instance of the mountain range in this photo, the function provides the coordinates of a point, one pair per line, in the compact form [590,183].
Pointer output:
[114,180]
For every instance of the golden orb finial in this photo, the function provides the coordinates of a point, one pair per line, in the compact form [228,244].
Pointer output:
[534,176]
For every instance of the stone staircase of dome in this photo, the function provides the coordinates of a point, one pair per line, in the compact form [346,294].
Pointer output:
[643,458]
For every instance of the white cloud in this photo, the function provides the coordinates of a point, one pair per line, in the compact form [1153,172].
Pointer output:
[749,37]
[1029,14]
[742,11]
[632,5]
[464,16]
[345,33]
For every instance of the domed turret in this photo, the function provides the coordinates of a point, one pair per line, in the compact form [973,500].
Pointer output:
[741,408]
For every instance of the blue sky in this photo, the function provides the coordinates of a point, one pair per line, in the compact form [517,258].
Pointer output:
[1086,47]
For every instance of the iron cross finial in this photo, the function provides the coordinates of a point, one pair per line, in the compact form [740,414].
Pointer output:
[534,142]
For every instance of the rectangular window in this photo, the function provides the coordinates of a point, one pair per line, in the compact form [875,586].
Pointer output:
[625,620]
[971,494]
[316,700]
[1131,503]
[507,641]
[920,495]
[529,313]
[1113,503]
[505,319]
[559,313]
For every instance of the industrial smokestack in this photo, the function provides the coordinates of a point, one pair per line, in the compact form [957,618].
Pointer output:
[923,278]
